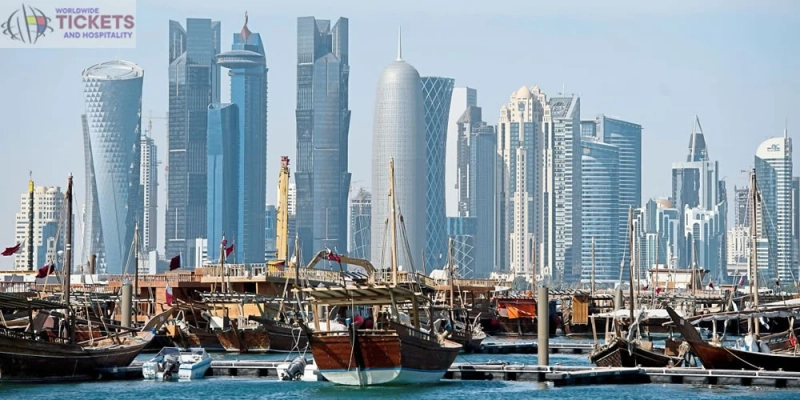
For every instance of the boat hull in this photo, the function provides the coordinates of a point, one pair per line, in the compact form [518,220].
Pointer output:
[284,337]
[620,354]
[195,370]
[244,341]
[25,360]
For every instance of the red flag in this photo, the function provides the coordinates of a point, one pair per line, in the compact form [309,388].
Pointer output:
[741,281]
[645,287]
[333,257]
[710,284]
[229,250]
[12,250]
[175,262]
[168,294]
[224,241]
[44,271]
[658,290]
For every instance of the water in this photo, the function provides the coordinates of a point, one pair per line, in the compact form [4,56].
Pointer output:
[213,388]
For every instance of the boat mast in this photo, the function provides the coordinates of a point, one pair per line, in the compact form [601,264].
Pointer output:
[632,262]
[68,260]
[393,221]
[658,239]
[753,250]
[591,285]
[452,277]
[222,244]
[30,222]
[136,261]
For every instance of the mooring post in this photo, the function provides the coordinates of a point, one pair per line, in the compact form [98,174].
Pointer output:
[543,325]
[618,299]
[125,303]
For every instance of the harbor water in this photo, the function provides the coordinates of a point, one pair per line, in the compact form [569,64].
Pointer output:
[240,388]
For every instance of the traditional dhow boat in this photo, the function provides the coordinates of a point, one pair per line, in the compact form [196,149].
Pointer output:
[394,351]
[283,335]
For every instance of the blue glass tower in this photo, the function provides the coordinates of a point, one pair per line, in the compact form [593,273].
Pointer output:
[247,67]
[223,174]
[323,126]
[436,94]
[600,210]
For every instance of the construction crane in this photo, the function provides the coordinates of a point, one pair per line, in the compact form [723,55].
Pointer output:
[282,226]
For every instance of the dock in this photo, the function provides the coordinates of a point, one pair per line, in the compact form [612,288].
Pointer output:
[531,347]
[558,375]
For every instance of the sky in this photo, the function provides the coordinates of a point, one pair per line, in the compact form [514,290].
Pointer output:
[733,63]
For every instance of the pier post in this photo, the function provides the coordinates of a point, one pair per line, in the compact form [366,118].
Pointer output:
[125,303]
[618,299]
[543,325]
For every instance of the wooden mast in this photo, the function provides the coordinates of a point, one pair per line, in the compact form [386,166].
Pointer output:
[591,285]
[393,221]
[452,278]
[632,262]
[136,261]
[658,239]
[753,249]
[68,261]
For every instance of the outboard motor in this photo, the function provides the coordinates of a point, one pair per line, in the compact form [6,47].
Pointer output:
[296,369]
[170,366]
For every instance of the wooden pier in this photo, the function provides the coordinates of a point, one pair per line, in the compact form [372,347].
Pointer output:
[531,348]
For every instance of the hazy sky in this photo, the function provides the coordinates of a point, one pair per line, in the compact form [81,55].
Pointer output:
[733,63]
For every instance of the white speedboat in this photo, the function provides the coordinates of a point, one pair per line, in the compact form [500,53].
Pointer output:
[175,363]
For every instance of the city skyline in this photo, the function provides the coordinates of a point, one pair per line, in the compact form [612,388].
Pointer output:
[655,169]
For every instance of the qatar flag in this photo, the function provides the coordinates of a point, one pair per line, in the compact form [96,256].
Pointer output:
[168,296]
[12,250]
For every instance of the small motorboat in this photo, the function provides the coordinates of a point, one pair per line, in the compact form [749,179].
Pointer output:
[176,363]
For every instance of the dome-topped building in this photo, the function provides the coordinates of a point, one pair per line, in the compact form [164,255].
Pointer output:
[399,134]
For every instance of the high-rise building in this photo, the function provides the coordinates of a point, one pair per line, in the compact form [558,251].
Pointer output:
[436,94]
[463,232]
[48,239]
[148,178]
[92,226]
[361,224]
[461,99]
[561,222]
[773,162]
[741,206]
[477,170]
[699,195]
[194,78]
[270,231]
[247,66]
[627,136]
[600,210]
[223,192]
[113,99]
[399,134]
[796,220]
[323,126]
[656,234]
[519,179]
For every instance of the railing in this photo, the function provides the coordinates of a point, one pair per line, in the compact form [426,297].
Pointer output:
[166,277]
[42,336]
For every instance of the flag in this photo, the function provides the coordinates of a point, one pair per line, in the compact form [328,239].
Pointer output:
[168,294]
[710,284]
[333,256]
[645,286]
[175,262]
[658,290]
[224,241]
[12,250]
[741,281]
[778,282]
[44,271]
[229,250]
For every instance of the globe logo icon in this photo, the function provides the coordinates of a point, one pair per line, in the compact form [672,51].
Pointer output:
[26,25]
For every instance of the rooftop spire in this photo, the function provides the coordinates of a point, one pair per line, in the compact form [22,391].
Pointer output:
[786,128]
[697,143]
[245,33]
[399,43]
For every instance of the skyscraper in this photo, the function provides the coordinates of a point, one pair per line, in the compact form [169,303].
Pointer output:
[627,136]
[247,66]
[463,232]
[323,125]
[460,100]
[518,179]
[193,85]
[741,206]
[477,170]
[561,221]
[92,226]
[699,195]
[148,177]
[48,207]
[113,98]
[773,163]
[361,224]
[436,94]
[223,175]
[600,210]
[399,134]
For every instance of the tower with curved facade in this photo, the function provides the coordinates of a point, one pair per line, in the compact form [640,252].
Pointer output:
[436,94]
[113,99]
[399,134]
[600,210]
[773,162]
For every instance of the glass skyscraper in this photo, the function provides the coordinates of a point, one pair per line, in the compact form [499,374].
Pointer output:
[323,125]
[92,225]
[773,162]
[436,94]
[193,85]
[223,175]
[113,98]
[600,210]
[463,231]
[360,224]
[247,66]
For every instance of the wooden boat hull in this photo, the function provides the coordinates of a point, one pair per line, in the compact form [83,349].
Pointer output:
[197,338]
[620,354]
[284,337]
[376,357]
[465,339]
[23,359]
[244,341]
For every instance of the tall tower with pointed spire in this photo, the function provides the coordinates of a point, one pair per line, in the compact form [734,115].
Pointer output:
[700,196]
[247,66]
[399,134]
